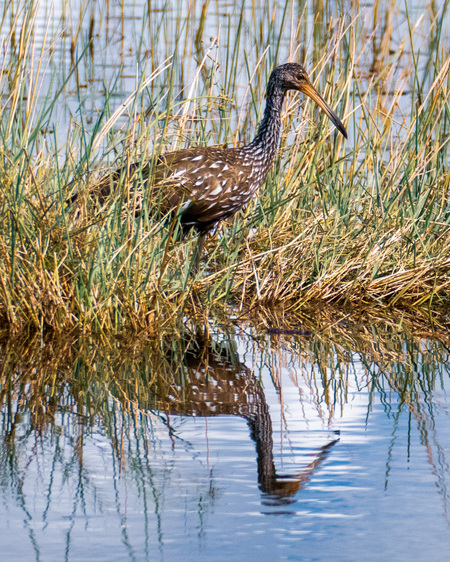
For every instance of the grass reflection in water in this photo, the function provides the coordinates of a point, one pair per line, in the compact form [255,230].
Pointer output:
[127,404]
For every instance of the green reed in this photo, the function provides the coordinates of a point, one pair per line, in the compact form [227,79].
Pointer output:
[363,222]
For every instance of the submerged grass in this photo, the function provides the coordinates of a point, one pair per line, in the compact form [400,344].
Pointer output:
[363,222]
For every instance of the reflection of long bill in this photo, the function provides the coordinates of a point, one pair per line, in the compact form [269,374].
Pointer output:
[310,91]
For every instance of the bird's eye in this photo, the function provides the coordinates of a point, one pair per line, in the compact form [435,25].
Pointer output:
[301,77]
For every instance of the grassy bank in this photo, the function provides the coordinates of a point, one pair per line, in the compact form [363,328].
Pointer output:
[363,222]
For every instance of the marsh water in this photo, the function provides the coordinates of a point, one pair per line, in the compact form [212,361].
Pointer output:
[96,54]
[246,443]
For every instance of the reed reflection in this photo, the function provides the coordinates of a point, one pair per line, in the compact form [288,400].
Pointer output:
[63,392]
[57,398]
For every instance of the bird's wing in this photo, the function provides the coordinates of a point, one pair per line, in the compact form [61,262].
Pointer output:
[206,184]
[203,181]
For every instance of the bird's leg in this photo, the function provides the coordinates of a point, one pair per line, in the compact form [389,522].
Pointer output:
[197,254]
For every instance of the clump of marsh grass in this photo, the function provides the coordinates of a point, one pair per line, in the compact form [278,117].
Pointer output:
[373,227]
[364,223]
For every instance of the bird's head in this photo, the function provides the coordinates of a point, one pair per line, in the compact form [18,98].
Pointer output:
[293,76]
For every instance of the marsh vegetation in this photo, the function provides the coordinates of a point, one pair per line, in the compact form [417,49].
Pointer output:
[86,87]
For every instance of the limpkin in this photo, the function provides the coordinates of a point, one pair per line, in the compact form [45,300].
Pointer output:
[209,184]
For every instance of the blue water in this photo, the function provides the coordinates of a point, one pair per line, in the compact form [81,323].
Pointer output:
[131,40]
[162,486]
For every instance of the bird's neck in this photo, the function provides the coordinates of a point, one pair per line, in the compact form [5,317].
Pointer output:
[266,140]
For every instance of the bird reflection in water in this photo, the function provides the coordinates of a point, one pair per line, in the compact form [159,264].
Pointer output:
[215,382]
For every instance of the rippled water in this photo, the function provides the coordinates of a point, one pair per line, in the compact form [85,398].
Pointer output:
[244,447]
[98,53]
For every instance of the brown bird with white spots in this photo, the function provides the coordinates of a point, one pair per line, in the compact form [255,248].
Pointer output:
[207,184]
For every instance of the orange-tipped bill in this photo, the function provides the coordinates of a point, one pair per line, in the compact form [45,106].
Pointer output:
[310,91]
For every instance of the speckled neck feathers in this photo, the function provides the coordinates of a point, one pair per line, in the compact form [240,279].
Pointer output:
[265,143]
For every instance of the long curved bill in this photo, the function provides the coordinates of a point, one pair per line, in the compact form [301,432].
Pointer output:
[310,91]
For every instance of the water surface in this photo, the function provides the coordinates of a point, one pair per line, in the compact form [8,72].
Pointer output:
[250,444]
